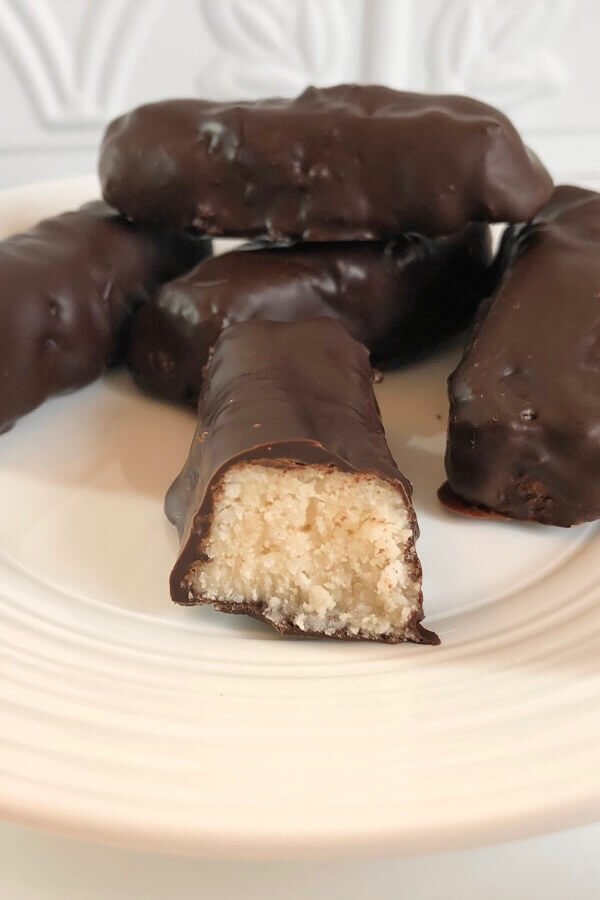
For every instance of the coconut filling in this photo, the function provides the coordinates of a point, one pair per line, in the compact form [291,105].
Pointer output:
[313,547]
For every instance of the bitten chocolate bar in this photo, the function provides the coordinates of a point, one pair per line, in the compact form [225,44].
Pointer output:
[524,431]
[400,298]
[340,163]
[290,506]
[67,289]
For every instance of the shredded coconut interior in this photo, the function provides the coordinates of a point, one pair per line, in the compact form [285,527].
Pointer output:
[314,547]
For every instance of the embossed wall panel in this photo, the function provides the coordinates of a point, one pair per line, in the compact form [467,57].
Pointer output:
[67,66]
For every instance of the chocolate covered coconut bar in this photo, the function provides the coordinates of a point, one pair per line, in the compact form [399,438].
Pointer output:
[524,429]
[339,163]
[401,298]
[68,287]
[290,506]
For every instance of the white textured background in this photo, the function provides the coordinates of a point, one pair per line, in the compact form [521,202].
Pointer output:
[67,66]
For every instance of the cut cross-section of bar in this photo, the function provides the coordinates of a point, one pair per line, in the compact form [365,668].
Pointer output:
[290,505]
[328,556]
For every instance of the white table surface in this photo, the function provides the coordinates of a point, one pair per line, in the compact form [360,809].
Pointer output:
[39,866]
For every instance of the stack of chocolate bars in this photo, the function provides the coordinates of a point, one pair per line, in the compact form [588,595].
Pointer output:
[367,213]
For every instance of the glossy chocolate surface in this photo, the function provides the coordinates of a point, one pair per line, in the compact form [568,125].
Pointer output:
[287,395]
[400,298]
[67,289]
[524,430]
[349,162]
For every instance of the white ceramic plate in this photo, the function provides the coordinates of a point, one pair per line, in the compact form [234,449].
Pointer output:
[125,718]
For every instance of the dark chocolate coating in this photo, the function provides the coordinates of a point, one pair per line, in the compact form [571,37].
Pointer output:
[350,162]
[524,430]
[67,289]
[286,395]
[400,299]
